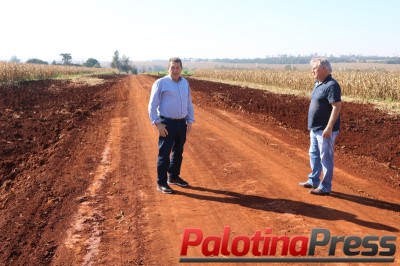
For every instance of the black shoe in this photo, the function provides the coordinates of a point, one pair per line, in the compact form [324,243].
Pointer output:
[306,185]
[176,180]
[319,192]
[165,189]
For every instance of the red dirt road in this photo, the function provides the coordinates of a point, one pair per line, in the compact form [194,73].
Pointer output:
[81,189]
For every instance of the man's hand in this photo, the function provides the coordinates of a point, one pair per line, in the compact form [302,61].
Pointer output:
[161,129]
[189,128]
[327,133]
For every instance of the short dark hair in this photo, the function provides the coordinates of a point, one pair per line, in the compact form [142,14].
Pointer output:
[175,60]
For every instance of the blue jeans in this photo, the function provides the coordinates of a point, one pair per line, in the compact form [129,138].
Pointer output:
[173,142]
[321,159]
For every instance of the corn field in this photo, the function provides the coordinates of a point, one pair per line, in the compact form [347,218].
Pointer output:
[11,72]
[358,84]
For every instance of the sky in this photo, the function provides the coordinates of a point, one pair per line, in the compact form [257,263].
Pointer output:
[160,29]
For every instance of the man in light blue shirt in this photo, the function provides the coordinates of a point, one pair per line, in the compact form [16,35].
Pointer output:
[171,111]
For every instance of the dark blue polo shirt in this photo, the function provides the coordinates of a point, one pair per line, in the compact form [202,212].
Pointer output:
[320,107]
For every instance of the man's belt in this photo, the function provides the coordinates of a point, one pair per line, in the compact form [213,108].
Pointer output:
[173,119]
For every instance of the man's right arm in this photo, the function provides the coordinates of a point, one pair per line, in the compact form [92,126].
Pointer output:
[336,107]
[154,102]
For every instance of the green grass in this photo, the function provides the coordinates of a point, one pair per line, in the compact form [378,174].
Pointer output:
[185,73]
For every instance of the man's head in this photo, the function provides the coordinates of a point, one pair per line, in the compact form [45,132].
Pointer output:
[321,68]
[175,68]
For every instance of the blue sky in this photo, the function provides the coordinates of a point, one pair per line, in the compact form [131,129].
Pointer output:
[160,29]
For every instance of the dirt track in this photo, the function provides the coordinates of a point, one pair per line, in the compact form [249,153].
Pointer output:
[78,173]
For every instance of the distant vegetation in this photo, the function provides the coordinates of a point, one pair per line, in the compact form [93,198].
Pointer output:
[91,62]
[123,64]
[290,59]
[36,61]
[34,68]
[14,72]
[362,85]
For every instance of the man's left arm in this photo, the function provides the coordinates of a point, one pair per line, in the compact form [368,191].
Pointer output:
[190,109]
[190,116]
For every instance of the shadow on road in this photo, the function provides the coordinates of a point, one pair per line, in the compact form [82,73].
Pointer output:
[294,207]
[367,201]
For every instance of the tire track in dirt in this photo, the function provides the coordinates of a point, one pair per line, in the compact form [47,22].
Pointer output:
[85,233]
[124,240]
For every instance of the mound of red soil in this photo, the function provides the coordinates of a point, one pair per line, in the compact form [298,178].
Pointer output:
[43,125]
[36,116]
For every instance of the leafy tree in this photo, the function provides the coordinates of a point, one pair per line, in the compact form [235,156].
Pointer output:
[66,58]
[15,59]
[134,70]
[115,61]
[123,64]
[126,66]
[91,62]
[36,61]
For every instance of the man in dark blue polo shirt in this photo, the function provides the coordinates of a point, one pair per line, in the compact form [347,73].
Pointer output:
[324,124]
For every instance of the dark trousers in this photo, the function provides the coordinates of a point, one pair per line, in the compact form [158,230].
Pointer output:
[173,142]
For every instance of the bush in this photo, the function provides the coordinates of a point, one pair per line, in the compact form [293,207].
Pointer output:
[36,61]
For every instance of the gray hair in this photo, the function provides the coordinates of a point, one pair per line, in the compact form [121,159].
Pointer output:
[323,62]
[175,60]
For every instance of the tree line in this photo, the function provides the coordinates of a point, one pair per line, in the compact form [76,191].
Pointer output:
[123,64]
[290,59]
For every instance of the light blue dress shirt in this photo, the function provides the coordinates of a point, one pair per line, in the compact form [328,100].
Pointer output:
[171,99]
